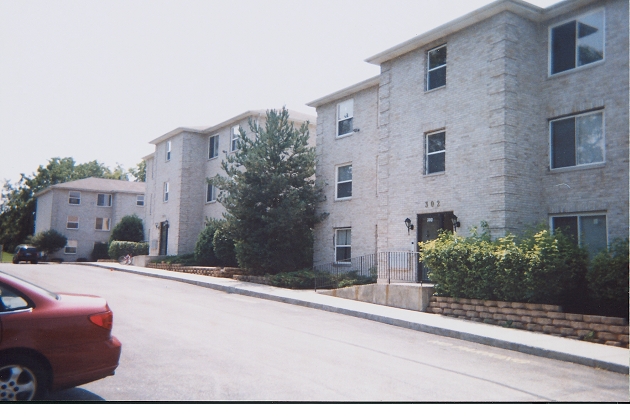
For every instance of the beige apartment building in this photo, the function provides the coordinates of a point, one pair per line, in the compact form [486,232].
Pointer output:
[179,197]
[512,114]
[85,211]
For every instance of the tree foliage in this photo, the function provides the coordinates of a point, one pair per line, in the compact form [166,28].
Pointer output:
[270,196]
[139,173]
[17,202]
[129,229]
[49,241]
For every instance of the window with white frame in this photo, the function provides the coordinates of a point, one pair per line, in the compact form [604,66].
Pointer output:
[235,135]
[168,150]
[74,197]
[102,223]
[435,152]
[344,182]
[166,191]
[104,200]
[72,222]
[577,140]
[211,193]
[71,247]
[345,115]
[436,67]
[140,200]
[213,147]
[343,245]
[576,43]
[587,230]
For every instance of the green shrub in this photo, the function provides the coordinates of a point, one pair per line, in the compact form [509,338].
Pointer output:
[49,241]
[223,245]
[538,268]
[608,281]
[100,251]
[305,279]
[204,248]
[119,249]
[184,259]
[129,229]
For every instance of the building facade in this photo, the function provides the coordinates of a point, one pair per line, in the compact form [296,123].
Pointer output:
[513,115]
[180,197]
[85,211]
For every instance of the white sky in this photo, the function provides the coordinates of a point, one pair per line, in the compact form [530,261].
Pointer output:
[98,80]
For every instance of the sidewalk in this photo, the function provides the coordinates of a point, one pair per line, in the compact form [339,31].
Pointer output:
[589,354]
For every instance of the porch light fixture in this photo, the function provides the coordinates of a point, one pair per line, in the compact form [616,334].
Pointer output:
[408,224]
[456,224]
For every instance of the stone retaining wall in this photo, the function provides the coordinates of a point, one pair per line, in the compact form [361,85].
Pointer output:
[225,272]
[548,319]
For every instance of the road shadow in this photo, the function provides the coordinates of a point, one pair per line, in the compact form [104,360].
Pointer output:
[73,394]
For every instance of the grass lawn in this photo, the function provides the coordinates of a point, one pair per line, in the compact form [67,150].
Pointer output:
[6,257]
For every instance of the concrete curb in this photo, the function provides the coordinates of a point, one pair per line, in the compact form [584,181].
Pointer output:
[417,326]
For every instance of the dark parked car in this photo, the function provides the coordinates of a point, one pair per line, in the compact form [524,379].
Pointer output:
[52,341]
[25,253]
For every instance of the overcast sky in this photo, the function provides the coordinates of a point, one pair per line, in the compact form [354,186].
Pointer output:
[98,80]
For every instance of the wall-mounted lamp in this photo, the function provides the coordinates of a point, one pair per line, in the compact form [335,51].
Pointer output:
[164,224]
[157,225]
[408,224]
[456,224]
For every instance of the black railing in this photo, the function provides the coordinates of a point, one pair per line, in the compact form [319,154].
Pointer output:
[393,267]
[399,267]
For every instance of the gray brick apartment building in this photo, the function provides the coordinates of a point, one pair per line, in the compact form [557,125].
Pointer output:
[179,197]
[85,211]
[512,114]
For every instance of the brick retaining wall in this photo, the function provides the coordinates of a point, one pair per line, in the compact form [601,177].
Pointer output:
[225,272]
[548,319]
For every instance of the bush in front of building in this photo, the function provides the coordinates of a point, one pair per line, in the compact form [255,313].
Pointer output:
[215,246]
[119,249]
[305,279]
[608,281]
[100,251]
[130,229]
[49,241]
[536,268]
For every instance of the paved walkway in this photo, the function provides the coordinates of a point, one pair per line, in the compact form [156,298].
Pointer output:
[595,355]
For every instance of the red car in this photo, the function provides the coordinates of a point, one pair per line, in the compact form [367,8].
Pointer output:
[52,341]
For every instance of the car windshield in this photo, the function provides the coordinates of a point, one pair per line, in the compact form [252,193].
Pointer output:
[36,287]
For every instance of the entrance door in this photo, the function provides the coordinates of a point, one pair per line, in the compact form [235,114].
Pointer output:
[429,226]
[163,238]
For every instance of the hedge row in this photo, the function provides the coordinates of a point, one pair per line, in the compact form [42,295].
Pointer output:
[537,268]
[119,249]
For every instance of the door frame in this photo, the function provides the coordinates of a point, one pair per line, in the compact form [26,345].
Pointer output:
[446,223]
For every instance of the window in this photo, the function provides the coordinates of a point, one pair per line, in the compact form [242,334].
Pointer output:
[344,181]
[577,140]
[74,198]
[73,222]
[436,68]
[102,223]
[343,245]
[211,193]
[588,231]
[435,151]
[165,191]
[104,200]
[345,114]
[140,200]
[71,247]
[168,150]
[213,147]
[577,43]
[235,136]
[11,301]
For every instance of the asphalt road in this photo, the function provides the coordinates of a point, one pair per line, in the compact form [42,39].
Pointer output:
[186,343]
